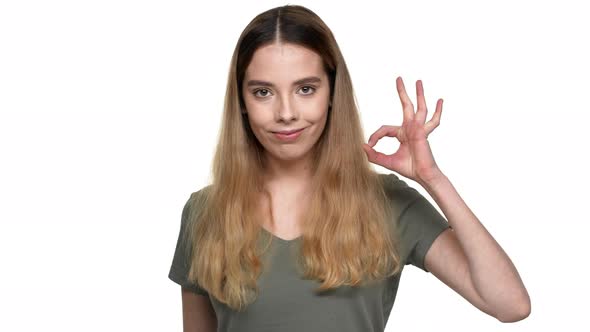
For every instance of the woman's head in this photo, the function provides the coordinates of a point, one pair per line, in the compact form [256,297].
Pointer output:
[348,209]
[281,46]
[286,88]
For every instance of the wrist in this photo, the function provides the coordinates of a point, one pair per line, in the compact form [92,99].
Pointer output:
[433,180]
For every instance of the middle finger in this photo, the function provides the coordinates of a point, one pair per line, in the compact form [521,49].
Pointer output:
[422,111]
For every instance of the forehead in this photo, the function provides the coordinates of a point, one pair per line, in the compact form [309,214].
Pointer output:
[284,63]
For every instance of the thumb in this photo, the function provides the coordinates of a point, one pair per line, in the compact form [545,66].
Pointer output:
[369,151]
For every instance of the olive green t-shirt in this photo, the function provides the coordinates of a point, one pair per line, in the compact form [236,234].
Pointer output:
[288,303]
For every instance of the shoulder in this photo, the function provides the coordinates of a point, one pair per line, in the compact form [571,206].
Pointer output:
[418,222]
[194,203]
[198,197]
[399,193]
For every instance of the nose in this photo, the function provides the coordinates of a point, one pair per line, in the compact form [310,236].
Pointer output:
[287,111]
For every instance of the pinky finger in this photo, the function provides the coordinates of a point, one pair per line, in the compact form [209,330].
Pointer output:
[435,121]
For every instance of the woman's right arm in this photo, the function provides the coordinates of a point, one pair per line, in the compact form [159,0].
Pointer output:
[198,314]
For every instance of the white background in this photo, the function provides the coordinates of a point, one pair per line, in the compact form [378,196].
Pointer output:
[109,113]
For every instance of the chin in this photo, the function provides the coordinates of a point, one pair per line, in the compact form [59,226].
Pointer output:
[290,155]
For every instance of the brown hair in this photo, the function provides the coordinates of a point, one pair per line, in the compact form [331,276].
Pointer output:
[345,228]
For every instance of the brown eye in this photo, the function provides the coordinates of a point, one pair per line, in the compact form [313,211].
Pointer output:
[307,90]
[265,90]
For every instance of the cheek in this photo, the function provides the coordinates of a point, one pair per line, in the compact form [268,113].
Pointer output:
[258,124]
[258,115]
[318,107]
[317,112]
[321,123]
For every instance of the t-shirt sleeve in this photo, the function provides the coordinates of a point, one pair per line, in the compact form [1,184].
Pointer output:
[181,260]
[418,223]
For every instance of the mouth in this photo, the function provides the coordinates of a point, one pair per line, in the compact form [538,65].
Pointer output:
[288,132]
[288,135]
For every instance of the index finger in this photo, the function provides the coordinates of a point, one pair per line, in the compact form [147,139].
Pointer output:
[407,106]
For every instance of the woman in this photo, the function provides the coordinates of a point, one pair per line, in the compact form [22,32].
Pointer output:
[296,231]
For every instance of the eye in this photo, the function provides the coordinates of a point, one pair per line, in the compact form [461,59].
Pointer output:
[309,88]
[256,91]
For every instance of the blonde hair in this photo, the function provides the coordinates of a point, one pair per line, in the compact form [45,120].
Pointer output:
[345,230]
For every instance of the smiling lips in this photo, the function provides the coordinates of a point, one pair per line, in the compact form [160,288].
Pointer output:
[288,135]
[287,132]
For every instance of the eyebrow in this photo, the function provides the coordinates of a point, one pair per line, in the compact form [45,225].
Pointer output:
[310,79]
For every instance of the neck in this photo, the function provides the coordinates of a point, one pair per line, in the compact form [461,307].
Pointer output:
[290,171]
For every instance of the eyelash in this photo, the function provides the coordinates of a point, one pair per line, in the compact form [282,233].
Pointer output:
[306,94]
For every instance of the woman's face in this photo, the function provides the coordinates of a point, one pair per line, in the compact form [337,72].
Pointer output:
[286,88]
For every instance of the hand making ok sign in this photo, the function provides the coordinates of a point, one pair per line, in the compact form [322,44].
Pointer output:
[414,158]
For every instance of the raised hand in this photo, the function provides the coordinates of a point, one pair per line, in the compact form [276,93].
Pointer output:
[413,159]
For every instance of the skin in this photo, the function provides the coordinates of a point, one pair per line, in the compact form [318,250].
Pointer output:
[286,105]
[465,257]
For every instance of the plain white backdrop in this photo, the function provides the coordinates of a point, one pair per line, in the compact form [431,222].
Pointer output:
[109,113]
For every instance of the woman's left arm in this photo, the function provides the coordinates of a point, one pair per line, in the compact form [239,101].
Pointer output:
[468,259]
[465,257]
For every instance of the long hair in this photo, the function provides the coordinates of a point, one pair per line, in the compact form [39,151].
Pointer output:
[346,228]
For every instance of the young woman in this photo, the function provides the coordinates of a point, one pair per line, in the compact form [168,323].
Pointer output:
[296,231]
